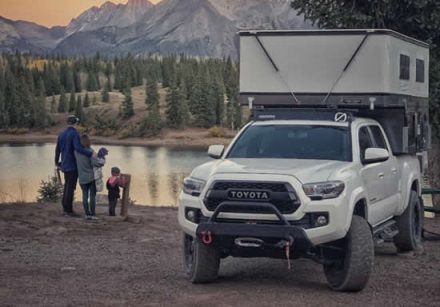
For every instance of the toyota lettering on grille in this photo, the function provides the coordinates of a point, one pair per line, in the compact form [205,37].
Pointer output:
[249,195]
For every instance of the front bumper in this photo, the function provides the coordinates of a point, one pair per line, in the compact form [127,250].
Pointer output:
[337,210]
[252,239]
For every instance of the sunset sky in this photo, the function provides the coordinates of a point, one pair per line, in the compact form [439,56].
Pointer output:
[48,12]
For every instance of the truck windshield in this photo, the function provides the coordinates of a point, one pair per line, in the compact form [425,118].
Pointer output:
[294,142]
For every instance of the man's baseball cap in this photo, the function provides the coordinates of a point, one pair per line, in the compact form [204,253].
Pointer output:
[72,120]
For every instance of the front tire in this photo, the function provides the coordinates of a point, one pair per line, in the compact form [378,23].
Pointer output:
[201,262]
[350,268]
[410,225]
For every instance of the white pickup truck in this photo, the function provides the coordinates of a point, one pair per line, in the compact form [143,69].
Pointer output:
[332,162]
[289,188]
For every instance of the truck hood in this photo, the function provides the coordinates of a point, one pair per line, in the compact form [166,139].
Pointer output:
[306,171]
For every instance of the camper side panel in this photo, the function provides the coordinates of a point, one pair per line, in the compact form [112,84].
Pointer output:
[312,64]
[409,68]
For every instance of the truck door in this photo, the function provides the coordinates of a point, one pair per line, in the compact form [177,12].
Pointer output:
[392,178]
[373,177]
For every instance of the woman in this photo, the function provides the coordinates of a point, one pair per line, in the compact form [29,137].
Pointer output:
[86,179]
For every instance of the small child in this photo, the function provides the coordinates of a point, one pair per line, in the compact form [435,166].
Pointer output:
[113,186]
[97,168]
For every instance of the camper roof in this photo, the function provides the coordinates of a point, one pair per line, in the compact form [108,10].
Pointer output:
[331,65]
[334,32]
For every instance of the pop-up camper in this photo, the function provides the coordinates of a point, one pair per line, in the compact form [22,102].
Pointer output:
[379,74]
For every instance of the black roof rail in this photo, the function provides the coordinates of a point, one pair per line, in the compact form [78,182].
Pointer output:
[330,114]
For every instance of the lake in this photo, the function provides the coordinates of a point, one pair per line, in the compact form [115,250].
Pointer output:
[157,172]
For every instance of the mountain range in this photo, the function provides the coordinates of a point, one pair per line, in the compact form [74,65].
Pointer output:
[194,27]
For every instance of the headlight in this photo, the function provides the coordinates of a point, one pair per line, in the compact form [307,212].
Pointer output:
[193,186]
[324,190]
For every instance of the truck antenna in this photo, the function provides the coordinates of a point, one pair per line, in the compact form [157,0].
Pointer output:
[276,68]
[346,67]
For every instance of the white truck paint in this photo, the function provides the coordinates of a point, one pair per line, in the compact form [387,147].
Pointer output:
[385,186]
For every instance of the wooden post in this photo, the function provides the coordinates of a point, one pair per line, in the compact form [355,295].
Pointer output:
[125,195]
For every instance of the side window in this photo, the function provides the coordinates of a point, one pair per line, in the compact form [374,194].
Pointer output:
[404,67]
[379,139]
[364,141]
[420,70]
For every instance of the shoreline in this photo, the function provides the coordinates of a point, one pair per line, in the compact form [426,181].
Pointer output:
[166,141]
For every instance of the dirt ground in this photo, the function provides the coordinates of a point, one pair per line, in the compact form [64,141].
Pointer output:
[48,260]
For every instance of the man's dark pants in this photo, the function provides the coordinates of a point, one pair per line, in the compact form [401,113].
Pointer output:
[70,180]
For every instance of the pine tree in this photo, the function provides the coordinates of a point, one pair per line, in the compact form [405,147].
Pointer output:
[53,104]
[105,92]
[72,102]
[152,123]
[127,105]
[92,82]
[86,101]
[79,109]
[26,106]
[152,93]
[184,109]
[77,81]
[217,97]
[201,103]
[40,114]
[4,116]
[62,105]
[173,112]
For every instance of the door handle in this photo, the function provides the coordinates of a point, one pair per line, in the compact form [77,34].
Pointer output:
[394,170]
[381,175]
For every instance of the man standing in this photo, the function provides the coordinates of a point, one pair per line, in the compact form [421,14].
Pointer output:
[69,142]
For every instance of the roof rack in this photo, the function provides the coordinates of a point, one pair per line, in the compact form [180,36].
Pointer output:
[334,115]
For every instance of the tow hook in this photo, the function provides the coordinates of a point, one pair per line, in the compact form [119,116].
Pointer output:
[207,237]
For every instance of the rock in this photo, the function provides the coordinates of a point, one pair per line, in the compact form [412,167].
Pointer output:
[51,231]
[68,269]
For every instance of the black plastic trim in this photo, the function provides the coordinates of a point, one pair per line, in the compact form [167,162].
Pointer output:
[335,32]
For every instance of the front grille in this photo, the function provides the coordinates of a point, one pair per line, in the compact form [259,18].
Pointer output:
[282,196]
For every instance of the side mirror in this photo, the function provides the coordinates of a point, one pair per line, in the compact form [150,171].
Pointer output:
[216,151]
[375,155]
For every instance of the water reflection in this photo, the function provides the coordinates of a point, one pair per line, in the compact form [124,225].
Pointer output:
[157,173]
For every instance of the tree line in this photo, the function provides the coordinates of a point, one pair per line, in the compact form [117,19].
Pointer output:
[200,92]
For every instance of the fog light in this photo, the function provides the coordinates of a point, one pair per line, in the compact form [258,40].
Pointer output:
[321,220]
[192,215]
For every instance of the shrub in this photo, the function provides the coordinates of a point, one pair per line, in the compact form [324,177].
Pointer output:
[217,132]
[50,190]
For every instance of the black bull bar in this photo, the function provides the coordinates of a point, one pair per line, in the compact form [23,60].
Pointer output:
[223,235]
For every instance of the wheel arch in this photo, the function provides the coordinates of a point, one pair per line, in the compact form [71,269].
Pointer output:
[361,208]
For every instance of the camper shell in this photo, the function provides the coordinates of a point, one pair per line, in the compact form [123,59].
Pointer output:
[378,74]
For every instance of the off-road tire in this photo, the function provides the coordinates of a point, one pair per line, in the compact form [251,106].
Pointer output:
[201,262]
[410,225]
[352,271]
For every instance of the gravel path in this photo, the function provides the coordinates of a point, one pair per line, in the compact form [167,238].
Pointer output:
[47,260]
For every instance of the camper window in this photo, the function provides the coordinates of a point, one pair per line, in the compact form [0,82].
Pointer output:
[404,67]
[420,70]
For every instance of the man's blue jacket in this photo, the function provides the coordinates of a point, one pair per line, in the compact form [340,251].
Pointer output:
[69,142]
